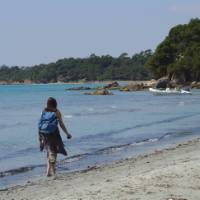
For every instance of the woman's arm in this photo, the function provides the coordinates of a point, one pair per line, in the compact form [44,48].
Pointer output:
[62,125]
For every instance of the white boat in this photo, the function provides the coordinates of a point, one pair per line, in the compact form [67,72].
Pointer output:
[169,91]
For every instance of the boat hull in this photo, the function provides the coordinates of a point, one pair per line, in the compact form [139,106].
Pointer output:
[169,92]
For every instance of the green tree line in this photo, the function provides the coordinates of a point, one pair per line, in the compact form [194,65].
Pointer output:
[177,57]
[89,69]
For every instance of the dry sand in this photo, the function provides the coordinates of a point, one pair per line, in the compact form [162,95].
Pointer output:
[173,173]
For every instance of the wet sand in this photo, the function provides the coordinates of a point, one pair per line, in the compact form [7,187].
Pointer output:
[170,174]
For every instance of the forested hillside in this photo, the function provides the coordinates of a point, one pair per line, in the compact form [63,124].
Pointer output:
[178,56]
[89,69]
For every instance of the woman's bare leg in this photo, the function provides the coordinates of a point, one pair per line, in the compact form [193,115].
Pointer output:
[48,164]
[48,169]
[51,165]
[54,169]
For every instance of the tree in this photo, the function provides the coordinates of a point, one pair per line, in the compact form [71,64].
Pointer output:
[92,68]
[178,55]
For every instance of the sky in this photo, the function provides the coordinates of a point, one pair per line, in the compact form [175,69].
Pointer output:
[42,31]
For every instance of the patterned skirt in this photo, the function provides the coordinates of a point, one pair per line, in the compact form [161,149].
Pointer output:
[52,142]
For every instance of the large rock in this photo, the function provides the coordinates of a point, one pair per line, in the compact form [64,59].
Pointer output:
[133,87]
[112,85]
[99,92]
[151,84]
[3,82]
[163,83]
[195,85]
[79,88]
[125,89]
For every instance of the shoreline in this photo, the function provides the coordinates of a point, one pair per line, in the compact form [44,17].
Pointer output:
[78,82]
[164,174]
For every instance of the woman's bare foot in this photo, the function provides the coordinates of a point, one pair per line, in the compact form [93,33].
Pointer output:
[49,175]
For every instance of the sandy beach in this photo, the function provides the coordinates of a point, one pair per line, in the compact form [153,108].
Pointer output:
[170,174]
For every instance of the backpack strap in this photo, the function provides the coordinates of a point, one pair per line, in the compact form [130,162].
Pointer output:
[50,110]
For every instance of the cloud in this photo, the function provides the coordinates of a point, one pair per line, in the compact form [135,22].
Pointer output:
[189,8]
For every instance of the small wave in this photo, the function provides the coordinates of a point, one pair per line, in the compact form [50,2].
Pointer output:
[16,171]
[6,126]
[20,152]
[90,109]
[145,141]
[181,103]
[91,113]
[119,131]
[153,140]
[68,116]
[166,135]
[178,133]
[104,111]
[129,109]
[72,159]
[114,107]
[111,149]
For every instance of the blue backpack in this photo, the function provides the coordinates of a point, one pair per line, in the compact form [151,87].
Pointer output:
[48,122]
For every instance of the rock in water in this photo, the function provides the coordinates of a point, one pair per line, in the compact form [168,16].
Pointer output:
[195,85]
[99,92]
[102,92]
[112,85]
[125,89]
[133,87]
[79,88]
[163,83]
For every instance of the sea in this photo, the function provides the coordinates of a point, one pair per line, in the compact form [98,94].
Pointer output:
[105,129]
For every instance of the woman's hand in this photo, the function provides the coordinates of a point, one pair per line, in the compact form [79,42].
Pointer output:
[69,136]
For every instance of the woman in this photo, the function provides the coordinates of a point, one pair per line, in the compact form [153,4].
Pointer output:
[49,135]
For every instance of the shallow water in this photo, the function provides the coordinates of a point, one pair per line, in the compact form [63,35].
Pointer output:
[104,128]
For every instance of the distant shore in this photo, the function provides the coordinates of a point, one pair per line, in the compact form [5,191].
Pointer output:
[172,173]
[145,83]
[75,83]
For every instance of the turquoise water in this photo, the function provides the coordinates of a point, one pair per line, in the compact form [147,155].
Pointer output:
[104,128]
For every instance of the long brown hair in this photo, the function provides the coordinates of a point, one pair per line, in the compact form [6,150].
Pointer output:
[51,104]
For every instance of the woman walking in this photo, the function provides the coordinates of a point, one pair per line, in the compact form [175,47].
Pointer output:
[49,135]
